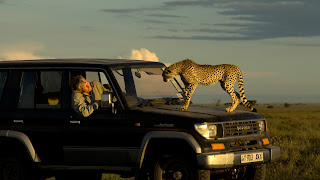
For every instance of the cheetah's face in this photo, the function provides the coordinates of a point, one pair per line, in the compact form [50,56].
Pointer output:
[167,75]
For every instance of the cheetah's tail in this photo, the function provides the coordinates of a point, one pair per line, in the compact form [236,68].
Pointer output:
[242,95]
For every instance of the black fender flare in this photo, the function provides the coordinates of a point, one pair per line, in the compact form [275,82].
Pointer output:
[169,135]
[24,139]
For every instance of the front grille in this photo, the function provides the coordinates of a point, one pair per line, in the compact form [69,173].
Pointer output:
[240,128]
[243,145]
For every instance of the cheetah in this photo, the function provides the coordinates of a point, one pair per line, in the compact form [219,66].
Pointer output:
[193,74]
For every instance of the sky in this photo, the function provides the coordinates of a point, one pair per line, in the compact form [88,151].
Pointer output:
[276,43]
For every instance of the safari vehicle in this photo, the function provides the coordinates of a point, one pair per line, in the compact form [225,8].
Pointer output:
[142,134]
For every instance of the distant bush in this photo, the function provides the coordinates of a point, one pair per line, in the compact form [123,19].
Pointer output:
[270,107]
[286,105]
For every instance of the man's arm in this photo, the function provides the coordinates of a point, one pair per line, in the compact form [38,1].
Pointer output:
[81,107]
[97,90]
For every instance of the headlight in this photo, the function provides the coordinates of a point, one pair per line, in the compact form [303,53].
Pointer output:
[262,126]
[206,130]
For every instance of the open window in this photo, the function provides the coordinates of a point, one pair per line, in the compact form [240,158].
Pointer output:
[99,76]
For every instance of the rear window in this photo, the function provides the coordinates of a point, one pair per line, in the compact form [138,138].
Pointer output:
[40,89]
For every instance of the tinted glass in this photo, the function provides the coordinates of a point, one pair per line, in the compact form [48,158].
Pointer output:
[40,89]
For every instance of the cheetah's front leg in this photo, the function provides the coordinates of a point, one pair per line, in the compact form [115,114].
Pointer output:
[189,91]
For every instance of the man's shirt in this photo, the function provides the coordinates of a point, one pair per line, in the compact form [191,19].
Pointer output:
[86,104]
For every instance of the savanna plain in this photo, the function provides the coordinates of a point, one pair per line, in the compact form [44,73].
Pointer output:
[296,129]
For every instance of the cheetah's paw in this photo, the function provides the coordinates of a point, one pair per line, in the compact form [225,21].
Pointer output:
[183,108]
[229,109]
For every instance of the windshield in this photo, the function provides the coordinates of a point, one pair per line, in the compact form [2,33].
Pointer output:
[145,86]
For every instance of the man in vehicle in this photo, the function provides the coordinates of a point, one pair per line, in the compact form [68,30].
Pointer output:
[86,96]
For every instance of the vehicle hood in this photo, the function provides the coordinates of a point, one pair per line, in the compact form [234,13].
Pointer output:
[198,113]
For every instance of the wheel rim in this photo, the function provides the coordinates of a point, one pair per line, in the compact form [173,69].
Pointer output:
[173,170]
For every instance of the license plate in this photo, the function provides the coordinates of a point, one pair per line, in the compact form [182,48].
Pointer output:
[253,157]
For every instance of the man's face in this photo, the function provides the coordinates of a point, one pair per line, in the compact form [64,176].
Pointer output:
[86,88]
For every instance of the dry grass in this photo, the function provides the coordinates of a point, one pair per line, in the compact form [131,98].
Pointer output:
[296,129]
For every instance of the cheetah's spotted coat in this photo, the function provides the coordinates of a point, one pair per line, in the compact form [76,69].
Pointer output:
[193,74]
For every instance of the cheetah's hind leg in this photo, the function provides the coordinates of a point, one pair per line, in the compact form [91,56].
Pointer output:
[235,101]
[229,88]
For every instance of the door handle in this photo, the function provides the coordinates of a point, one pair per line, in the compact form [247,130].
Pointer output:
[74,122]
[18,121]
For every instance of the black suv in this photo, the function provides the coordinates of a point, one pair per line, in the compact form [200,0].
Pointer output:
[143,133]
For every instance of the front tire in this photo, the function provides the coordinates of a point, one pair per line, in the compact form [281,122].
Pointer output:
[177,168]
[251,172]
[11,168]
[257,172]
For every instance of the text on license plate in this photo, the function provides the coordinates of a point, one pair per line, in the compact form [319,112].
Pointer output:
[253,157]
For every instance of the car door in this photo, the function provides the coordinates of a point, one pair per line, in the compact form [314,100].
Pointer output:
[38,111]
[99,139]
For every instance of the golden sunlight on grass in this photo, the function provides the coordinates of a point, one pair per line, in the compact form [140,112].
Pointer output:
[296,129]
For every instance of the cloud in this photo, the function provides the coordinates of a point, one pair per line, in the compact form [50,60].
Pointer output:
[134,10]
[143,54]
[248,20]
[166,16]
[263,19]
[21,51]
[156,22]
[277,19]
[303,44]
[87,28]
[191,3]
[217,38]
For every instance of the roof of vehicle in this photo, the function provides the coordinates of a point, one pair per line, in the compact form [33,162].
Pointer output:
[76,62]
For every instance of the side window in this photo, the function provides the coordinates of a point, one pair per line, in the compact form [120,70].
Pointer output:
[3,77]
[40,89]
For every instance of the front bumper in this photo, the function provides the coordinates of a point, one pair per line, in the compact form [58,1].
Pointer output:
[231,159]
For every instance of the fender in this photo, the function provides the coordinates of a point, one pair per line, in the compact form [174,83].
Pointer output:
[24,139]
[170,135]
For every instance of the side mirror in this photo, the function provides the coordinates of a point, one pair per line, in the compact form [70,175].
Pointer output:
[106,102]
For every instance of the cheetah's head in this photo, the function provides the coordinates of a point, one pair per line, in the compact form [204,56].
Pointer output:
[167,74]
